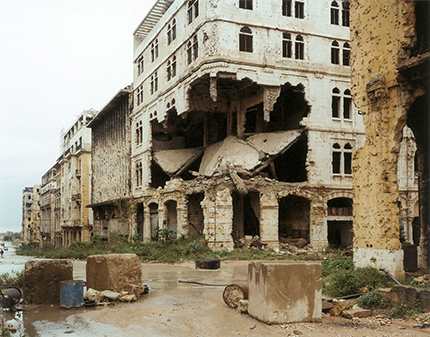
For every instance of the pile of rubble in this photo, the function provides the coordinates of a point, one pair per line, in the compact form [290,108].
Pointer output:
[106,297]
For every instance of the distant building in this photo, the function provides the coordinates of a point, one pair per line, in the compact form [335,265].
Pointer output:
[75,163]
[110,163]
[48,193]
[31,216]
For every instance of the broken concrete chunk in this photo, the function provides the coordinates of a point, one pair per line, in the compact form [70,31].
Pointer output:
[128,298]
[94,295]
[356,312]
[111,295]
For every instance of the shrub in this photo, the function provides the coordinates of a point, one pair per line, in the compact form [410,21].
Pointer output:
[371,300]
[404,310]
[13,278]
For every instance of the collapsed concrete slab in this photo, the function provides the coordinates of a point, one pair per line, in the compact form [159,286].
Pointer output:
[42,280]
[115,272]
[285,292]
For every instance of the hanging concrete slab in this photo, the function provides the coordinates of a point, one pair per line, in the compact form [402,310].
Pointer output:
[274,143]
[173,161]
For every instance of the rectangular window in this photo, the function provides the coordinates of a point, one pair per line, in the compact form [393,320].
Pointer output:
[286,7]
[345,57]
[189,52]
[334,16]
[155,81]
[299,10]
[286,45]
[335,55]
[345,13]
[195,47]
[171,31]
[245,4]
[347,160]
[299,51]
[193,10]
[335,104]
[139,95]
[347,107]
[336,162]
[139,133]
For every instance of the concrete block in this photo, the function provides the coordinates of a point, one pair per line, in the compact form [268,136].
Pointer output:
[116,272]
[424,296]
[42,280]
[285,292]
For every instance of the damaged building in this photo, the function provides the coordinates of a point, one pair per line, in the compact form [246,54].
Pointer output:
[31,216]
[390,48]
[243,122]
[110,166]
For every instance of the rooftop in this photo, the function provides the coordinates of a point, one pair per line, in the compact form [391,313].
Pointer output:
[153,16]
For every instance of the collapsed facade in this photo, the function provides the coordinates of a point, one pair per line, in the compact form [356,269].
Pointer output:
[110,166]
[243,122]
[390,66]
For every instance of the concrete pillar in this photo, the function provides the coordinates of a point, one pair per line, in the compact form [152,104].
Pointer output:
[224,220]
[146,223]
[269,220]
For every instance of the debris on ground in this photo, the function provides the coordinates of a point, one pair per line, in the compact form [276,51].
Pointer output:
[96,297]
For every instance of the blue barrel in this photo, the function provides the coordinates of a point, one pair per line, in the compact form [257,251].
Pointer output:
[71,294]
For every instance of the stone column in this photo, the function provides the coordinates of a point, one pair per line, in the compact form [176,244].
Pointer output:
[146,223]
[318,227]
[224,220]
[269,220]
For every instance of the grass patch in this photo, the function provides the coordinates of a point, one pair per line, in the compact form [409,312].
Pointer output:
[13,278]
[405,310]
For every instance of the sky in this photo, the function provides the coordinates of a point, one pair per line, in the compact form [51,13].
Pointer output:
[57,58]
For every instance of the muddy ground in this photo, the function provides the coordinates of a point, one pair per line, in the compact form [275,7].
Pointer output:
[172,308]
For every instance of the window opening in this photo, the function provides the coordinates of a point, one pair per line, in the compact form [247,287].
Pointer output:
[193,10]
[345,13]
[140,65]
[347,159]
[335,103]
[245,40]
[139,133]
[189,52]
[335,52]
[299,48]
[139,95]
[171,32]
[347,104]
[334,13]
[245,4]
[345,54]
[154,83]
[195,47]
[300,10]
[286,45]
[286,7]
[139,174]
[336,158]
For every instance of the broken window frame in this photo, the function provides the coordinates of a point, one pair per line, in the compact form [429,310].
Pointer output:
[346,54]
[299,10]
[345,13]
[245,4]
[193,10]
[334,13]
[335,52]
[287,45]
[140,65]
[139,172]
[245,40]
[286,7]
[299,48]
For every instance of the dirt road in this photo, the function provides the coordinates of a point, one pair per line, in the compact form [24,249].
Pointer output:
[172,308]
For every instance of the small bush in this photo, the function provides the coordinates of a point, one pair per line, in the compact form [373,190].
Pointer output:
[405,310]
[371,300]
[13,278]
[333,266]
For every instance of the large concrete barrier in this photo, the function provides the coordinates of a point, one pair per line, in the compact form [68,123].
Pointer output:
[285,292]
[42,280]
[114,272]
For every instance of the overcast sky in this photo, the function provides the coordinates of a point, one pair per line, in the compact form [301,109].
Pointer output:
[57,58]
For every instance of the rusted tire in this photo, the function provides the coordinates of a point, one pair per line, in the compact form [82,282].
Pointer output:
[208,264]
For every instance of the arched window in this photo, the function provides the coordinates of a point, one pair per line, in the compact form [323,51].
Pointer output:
[345,13]
[335,52]
[193,10]
[245,40]
[345,54]
[347,104]
[334,13]
[300,50]
[347,159]
[335,103]
[336,155]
